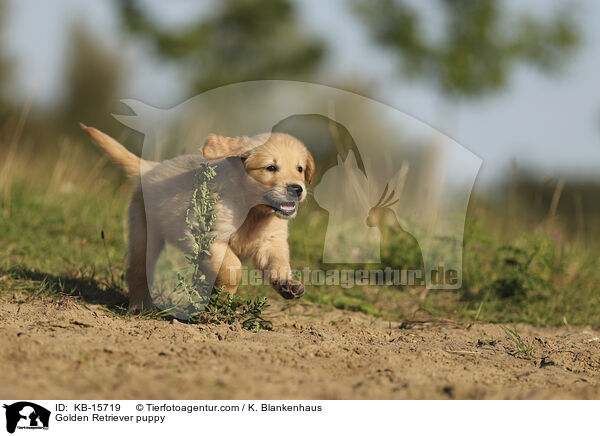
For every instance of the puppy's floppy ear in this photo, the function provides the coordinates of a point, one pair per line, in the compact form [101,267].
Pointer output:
[219,147]
[309,172]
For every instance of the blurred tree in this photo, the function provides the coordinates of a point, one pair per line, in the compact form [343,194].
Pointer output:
[481,42]
[242,40]
[4,63]
[92,79]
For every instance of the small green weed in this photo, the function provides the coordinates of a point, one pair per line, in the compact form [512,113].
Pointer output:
[226,308]
[200,219]
[221,307]
[524,350]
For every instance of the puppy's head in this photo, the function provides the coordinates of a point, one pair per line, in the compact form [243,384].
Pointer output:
[280,163]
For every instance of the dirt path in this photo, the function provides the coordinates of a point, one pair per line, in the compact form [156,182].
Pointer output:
[60,349]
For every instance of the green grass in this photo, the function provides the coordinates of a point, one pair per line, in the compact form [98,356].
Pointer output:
[50,234]
[52,243]
[225,308]
[523,349]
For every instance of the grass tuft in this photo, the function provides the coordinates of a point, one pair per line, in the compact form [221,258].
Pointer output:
[226,308]
[524,350]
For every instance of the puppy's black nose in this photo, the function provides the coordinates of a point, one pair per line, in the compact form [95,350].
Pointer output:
[294,190]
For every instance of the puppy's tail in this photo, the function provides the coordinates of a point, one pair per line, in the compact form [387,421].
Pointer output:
[115,151]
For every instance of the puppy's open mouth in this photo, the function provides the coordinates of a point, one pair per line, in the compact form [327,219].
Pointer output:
[284,208]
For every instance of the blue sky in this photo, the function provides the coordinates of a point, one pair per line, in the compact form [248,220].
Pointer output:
[548,123]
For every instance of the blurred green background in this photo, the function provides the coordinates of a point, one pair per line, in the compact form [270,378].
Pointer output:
[515,82]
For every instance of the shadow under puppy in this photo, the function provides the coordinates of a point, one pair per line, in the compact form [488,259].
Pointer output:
[260,181]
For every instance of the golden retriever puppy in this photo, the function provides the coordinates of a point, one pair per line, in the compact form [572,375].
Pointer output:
[260,181]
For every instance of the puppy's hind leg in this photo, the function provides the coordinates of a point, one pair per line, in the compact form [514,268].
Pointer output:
[145,246]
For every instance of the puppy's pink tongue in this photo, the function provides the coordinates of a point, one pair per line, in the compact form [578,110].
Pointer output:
[286,207]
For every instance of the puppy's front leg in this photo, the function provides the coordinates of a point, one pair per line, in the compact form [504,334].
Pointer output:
[224,267]
[273,258]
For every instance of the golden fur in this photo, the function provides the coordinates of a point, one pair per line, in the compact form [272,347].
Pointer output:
[252,213]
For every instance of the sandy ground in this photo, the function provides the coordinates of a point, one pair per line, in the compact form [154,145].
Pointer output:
[52,348]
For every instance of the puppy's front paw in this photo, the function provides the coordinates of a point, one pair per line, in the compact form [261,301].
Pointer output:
[289,289]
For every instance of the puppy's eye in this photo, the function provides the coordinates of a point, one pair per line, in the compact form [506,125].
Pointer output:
[272,168]
[299,169]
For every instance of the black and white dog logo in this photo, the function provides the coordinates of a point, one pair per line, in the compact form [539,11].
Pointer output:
[26,415]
